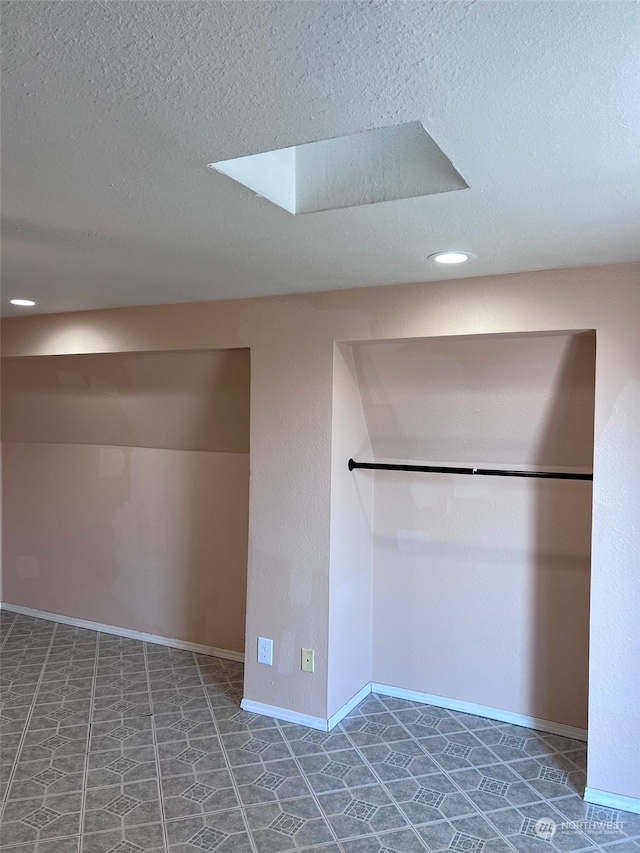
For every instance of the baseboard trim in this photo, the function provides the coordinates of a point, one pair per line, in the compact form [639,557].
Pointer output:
[285,714]
[481,711]
[612,801]
[318,723]
[124,632]
[340,714]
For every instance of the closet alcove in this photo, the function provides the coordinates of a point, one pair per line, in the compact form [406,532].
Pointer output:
[478,585]
[126,490]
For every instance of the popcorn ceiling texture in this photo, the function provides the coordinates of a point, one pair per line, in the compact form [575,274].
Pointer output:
[111,112]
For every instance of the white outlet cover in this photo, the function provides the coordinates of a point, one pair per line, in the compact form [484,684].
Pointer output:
[265,651]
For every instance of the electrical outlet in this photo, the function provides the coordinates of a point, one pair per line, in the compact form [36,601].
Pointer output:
[307,660]
[265,651]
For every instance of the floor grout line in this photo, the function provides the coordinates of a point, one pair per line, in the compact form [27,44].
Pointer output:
[303,776]
[27,721]
[218,715]
[226,757]
[156,751]
[10,629]
[83,802]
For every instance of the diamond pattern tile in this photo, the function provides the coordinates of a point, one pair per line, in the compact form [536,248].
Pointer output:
[40,817]
[270,781]
[198,792]
[207,838]
[122,805]
[360,810]
[286,824]
[122,765]
[48,776]
[394,777]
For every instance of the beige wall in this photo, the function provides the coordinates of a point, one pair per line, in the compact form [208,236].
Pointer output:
[114,512]
[292,347]
[351,558]
[177,400]
[481,584]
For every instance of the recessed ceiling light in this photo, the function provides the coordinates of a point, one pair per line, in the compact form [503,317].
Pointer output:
[451,257]
[23,303]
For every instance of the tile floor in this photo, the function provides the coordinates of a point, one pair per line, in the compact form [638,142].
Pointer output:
[110,745]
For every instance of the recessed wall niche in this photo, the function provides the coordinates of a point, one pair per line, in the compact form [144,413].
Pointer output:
[479,585]
[126,488]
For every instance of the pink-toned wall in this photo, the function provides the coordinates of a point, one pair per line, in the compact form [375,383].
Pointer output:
[292,348]
[481,584]
[351,558]
[126,483]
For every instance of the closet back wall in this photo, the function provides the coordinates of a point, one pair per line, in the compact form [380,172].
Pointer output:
[126,488]
[481,584]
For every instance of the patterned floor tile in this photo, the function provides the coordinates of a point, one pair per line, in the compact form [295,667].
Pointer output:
[181,726]
[66,712]
[288,825]
[60,845]
[234,720]
[131,839]
[266,782]
[198,793]
[43,818]
[191,698]
[600,824]
[465,835]
[161,657]
[116,708]
[510,743]
[551,776]
[426,721]
[402,841]
[495,787]
[537,828]
[128,804]
[374,729]
[335,771]
[458,751]
[361,811]
[265,745]
[51,776]
[430,798]
[450,781]
[55,742]
[135,764]
[181,758]
[114,734]
[304,741]
[401,760]
[223,832]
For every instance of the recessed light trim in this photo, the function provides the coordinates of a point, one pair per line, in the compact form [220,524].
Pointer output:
[451,256]
[23,303]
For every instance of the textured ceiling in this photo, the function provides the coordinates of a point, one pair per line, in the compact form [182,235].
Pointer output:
[112,110]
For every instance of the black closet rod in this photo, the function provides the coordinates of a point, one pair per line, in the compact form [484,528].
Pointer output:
[491,472]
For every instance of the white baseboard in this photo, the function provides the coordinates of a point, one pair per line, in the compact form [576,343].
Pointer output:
[284,714]
[612,801]
[481,711]
[341,713]
[124,632]
[318,723]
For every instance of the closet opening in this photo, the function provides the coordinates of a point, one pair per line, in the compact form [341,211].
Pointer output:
[126,491]
[479,584]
